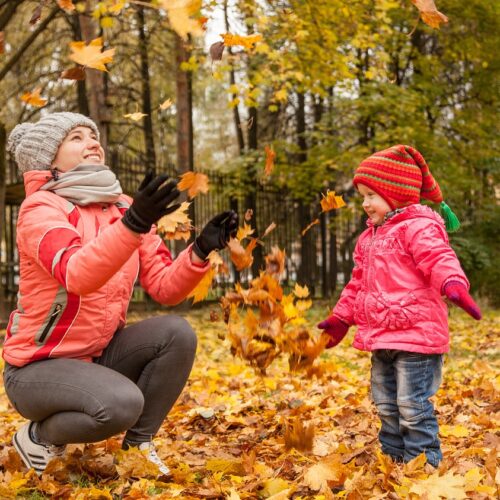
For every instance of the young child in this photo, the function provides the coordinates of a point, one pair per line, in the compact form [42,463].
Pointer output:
[403,266]
[72,366]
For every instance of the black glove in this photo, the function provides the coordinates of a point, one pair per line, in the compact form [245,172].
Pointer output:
[151,203]
[216,234]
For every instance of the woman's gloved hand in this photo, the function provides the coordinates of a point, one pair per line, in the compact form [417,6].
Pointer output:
[216,234]
[457,292]
[335,328]
[151,202]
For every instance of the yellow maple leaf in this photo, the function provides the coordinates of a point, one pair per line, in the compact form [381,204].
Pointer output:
[34,98]
[330,201]
[90,55]
[194,183]
[245,41]
[135,116]
[170,222]
[202,288]
[270,156]
[66,5]
[445,486]
[429,13]
[180,14]
[330,471]
[453,430]
[301,291]
[244,231]
[166,104]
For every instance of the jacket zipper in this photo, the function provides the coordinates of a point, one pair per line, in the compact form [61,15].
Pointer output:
[368,279]
[52,319]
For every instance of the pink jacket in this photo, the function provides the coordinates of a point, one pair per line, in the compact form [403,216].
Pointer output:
[394,295]
[78,266]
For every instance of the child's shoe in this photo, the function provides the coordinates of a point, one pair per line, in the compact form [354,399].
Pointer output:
[34,455]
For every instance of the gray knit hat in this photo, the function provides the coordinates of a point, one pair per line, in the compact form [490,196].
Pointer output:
[34,145]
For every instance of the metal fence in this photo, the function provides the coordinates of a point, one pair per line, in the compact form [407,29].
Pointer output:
[333,241]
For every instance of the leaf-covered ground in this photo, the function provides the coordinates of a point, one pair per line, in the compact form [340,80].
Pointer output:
[227,436]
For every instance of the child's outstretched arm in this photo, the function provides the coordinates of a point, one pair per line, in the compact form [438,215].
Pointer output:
[342,317]
[434,257]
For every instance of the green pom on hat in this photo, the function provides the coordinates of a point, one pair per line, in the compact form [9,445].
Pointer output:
[450,219]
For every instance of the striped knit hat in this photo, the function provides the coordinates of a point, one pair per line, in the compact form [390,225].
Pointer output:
[401,176]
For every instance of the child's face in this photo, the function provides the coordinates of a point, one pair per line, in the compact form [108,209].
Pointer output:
[79,146]
[373,204]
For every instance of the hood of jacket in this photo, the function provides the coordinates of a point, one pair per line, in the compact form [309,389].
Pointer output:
[35,179]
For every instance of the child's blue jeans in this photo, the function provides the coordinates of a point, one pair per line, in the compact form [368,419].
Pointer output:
[402,383]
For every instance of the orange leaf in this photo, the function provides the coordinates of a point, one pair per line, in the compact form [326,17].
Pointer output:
[76,73]
[299,436]
[241,257]
[270,156]
[201,290]
[429,13]
[313,223]
[244,232]
[269,228]
[90,55]
[245,41]
[194,182]
[66,5]
[180,14]
[330,201]
[301,291]
[275,262]
[34,98]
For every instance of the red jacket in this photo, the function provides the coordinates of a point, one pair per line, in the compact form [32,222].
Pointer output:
[78,266]
[394,295]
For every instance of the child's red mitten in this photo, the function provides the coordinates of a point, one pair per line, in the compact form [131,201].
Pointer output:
[335,328]
[457,292]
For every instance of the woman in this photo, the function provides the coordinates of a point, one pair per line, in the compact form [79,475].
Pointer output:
[72,367]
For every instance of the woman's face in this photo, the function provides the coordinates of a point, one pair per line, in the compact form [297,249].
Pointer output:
[79,146]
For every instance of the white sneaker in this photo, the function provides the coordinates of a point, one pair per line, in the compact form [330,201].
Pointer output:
[35,456]
[152,456]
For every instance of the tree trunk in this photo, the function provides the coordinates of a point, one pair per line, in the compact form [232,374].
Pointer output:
[96,86]
[184,100]
[81,88]
[308,266]
[3,178]
[146,93]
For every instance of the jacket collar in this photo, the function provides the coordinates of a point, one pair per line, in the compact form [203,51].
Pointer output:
[35,179]
[410,212]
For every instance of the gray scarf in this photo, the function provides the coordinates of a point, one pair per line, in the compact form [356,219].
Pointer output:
[86,184]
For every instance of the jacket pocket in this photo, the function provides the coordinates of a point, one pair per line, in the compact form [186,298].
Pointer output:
[54,315]
[395,311]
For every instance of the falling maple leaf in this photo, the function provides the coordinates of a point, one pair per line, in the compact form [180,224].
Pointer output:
[66,5]
[313,223]
[75,73]
[240,256]
[270,156]
[166,104]
[202,288]
[180,14]
[269,228]
[244,231]
[177,222]
[275,262]
[34,98]
[429,13]
[245,41]
[135,116]
[90,55]
[301,292]
[330,201]
[194,183]
[216,50]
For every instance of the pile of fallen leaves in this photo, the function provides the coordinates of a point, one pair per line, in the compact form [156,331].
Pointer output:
[237,434]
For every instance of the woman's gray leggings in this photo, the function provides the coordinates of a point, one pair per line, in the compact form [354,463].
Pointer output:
[131,387]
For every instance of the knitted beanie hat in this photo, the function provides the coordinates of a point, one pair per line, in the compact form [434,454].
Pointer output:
[401,176]
[34,145]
